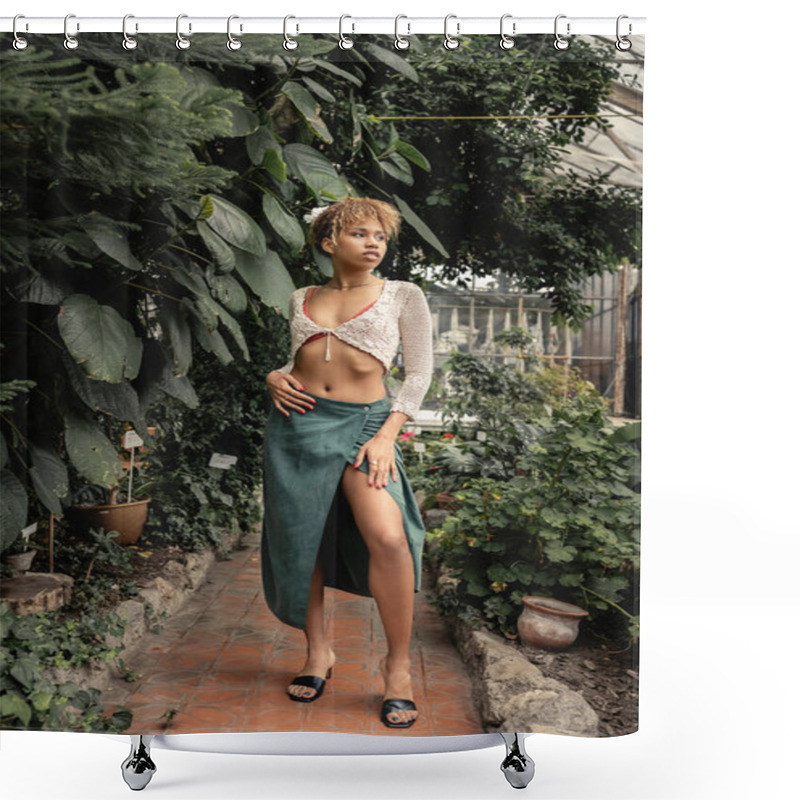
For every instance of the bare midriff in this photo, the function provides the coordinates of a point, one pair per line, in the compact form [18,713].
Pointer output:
[351,375]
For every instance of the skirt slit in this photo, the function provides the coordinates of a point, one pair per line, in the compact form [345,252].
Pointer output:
[306,513]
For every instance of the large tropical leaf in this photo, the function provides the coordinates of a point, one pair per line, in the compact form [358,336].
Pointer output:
[209,339]
[229,292]
[398,168]
[268,278]
[274,164]
[259,142]
[118,399]
[305,103]
[413,155]
[49,477]
[329,66]
[398,63]
[235,226]
[13,509]
[90,452]
[178,335]
[158,371]
[419,226]
[99,339]
[111,237]
[285,226]
[319,174]
[221,251]
[35,288]
[319,90]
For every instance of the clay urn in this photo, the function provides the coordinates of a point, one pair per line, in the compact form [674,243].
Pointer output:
[547,622]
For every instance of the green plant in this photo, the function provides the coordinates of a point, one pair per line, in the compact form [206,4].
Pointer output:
[567,525]
[30,648]
[148,205]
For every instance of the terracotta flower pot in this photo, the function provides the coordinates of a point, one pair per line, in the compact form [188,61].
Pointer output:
[546,622]
[126,518]
[20,562]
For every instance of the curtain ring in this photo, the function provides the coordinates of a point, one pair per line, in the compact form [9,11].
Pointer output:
[401,43]
[450,42]
[233,43]
[560,42]
[288,42]
[128,42]
[622,43]
[182,43]
[70,42]
[506,42]
[19,43]
[345,42]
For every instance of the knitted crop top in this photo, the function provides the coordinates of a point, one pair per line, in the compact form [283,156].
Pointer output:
[400,315]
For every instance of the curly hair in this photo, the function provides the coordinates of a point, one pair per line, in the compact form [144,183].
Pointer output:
[346,212]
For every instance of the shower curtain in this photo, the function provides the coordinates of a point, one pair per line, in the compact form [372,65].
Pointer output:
[153,229]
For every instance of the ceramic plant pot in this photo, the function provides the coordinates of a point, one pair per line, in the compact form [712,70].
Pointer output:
[20,562]
[126,518]
[550,623]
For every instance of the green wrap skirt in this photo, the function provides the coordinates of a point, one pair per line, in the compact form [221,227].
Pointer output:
[305,511]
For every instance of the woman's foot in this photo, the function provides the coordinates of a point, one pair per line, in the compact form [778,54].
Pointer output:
[317,668]
[397,679]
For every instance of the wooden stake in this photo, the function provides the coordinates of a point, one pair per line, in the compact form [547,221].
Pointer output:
[620,349]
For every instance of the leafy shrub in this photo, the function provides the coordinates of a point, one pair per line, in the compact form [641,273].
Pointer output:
[194,503]
[547,502]
[30,647]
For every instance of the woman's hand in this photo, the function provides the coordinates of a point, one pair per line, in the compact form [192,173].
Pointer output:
[379,452]
[286,390]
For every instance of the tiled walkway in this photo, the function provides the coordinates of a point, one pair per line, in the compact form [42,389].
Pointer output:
[222,664]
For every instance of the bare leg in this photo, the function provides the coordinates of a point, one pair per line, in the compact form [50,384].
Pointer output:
[391,579]
[320,657]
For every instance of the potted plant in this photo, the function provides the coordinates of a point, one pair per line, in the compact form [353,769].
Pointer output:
[20,555]
[95,505]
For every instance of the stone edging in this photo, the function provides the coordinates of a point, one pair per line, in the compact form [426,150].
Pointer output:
[166,593]
[511,693]
[514,695]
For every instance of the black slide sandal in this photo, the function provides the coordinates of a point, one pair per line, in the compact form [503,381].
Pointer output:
[313,682]
[391,706]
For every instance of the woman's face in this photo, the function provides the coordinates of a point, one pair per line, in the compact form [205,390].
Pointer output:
[361,245]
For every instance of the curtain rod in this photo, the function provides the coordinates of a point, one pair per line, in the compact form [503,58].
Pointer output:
[406,25]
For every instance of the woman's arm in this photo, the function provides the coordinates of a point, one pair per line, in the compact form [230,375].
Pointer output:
[416,332]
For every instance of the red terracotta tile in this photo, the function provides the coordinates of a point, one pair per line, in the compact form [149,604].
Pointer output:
[234,680]
[336,720]
[204,716]
[213,695]
[288,719]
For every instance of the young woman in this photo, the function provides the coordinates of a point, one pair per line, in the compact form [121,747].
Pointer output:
[339,510]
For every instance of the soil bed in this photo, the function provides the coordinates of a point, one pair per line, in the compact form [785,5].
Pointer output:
[604,673]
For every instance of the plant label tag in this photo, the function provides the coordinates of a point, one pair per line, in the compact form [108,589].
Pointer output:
[221,461]
[29,531]
[132,439]
[481,436]
[419,447]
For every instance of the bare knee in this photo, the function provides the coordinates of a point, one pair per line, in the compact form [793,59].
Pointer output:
[387,544]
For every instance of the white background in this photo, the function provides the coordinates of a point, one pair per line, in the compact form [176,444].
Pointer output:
[719,589]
